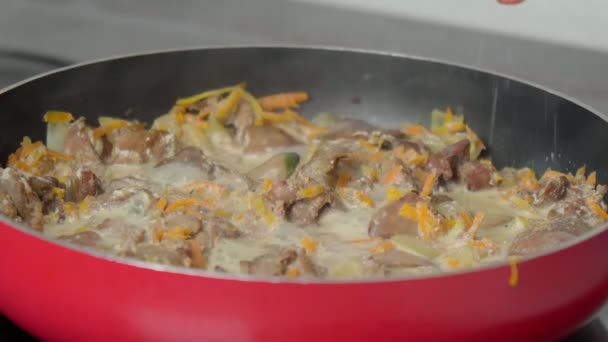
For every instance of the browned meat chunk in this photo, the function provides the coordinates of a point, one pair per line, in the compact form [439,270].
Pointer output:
[560,230]
[80,143]
[260,138]
[537,241]
[387,221]
[271,264]
[24,200]
[552,190]
[7,208]
[397,258]
[319,171]
[193,156]
[306,212]
[44,188]
[84,184]
[445,161]
[134,144]
[87,238]
[476,175]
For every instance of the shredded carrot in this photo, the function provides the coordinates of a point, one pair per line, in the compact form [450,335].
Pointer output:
[484,243]
[292,272]
[361,196]
[58,155]
[161,204]
[103,130]
[411,157]
[198,97]
[393,194]
[189,202]
[267,184]
[198,258]
[229,103]
[343,179]
[427,222]
[475,225]
[283,100]
[28,149]
[581,171]
[597,209]
[527,179]
[177,233]
[592,179]
[382,247]
[409,212]
[277,117]
[448,223]
[391,176]
[414,129]
[428,185]
[514,275]
[453,262]
[309,245]
[257,204]
[466,219]
[54,117]
[311,191]
[204,113]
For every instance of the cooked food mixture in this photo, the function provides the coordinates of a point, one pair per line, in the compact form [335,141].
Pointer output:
[228,182]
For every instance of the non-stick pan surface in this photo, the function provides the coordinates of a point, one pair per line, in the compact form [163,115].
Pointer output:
[59,292]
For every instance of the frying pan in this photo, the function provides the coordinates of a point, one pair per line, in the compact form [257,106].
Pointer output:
[63,292]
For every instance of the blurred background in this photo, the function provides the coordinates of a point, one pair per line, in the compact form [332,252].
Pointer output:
[559,44]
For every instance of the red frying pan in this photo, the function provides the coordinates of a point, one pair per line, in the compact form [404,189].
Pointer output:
[62,292]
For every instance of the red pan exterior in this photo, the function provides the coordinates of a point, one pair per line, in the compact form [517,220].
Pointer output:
[61,294]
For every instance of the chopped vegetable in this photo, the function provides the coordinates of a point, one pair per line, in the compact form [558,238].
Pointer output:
[311,191]
[415,245]
[475,225]
[56,129]
[283,100]
[393,194]
[592,179]
[414,129]
[409,212]
[196,253]
[228,104]
[278,167]
[382,247]
[361,196]
[309,245]
[189,202]
[514,275]
[428,224]
[429,182]
[597,209]
[392,175]
[199,97]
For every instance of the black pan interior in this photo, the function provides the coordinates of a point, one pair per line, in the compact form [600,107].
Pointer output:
[523,125]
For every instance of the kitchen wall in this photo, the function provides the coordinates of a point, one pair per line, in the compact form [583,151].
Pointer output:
[552,43]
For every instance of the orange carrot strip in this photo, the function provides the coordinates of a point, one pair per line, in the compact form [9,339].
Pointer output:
[391,176]
[597,209]
[198,258]
[189,202]
[309,245]
[428,185]
[466,218]
[414,129]
[282,100]
[514,276]
[161,204]
[382,247]
[475,225]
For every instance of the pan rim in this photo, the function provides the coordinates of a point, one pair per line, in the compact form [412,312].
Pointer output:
[10,224]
